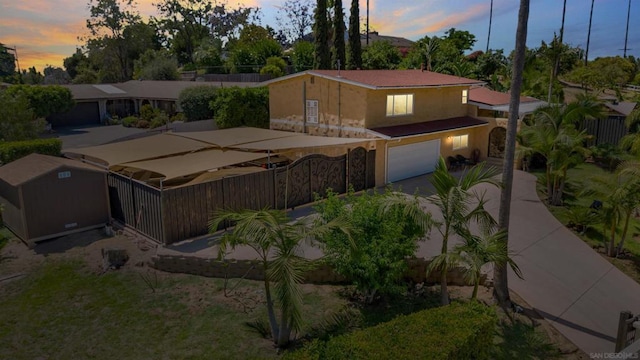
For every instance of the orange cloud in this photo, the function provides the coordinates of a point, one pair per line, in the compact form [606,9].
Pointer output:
[451,20]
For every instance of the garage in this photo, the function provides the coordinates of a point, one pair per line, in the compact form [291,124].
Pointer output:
[84,113]
[411,160]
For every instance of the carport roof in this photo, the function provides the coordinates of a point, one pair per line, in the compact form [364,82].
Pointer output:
[149,147]
[34,165]
[235,136]
[298,141]
[429,127]
[183,165]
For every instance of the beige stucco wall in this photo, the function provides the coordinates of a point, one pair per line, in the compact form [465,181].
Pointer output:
[429,104]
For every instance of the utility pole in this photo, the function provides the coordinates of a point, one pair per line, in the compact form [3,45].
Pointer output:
[626,36]
[564,11]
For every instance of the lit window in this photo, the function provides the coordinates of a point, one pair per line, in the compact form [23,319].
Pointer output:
[399,105]
[465,96]
[312,111]
[460,142]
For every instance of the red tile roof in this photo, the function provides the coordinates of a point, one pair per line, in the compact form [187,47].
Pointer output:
[487,96]
[429,126]
[394,78]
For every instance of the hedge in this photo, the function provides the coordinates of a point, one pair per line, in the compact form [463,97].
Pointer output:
[236,107]
[14,150]
[457,331]
[194,102]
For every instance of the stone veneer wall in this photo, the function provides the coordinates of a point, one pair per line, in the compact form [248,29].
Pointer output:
[252,270]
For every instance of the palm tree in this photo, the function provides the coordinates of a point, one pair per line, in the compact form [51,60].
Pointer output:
[430,49]
[500,281]
[455,201]
[586,54]
[276,240]
[490,20]
[479,250]
[554,136]
[621,194]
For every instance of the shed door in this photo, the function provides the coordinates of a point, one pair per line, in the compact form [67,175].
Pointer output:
[412,160]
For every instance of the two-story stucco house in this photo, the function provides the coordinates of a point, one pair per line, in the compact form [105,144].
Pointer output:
[416,116]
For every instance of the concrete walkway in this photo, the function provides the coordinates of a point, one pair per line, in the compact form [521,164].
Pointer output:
[565,280]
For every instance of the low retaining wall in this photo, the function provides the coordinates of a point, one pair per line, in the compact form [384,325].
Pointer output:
[321,274]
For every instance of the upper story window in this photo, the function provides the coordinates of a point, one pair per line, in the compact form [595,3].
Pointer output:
[399,104]
[465,96]
[312,111]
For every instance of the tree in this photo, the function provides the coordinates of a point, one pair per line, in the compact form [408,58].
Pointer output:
[604,73]
[338,35]
[55,76]
[276,240]
[44,100]
[321,36]
[295,18]
[476,251]
[354,58]
[227,24]
[381,55]
[275,67]
[32,77]
[106,24]
[461,40]
[185,22]
[455,201]
[251,51]
[156,65]
[16,118]
[554,136]
[302,56]
[7,62]
[194,102]
[236,106]
[74,62]
[384,232]
[621,197]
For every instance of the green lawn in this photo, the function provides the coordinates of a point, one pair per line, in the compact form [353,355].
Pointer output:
[63,311]
[578,179]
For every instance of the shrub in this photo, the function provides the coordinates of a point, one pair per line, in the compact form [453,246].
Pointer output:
[178,117]
[161,119]
[457,331]
[130,121]
[143,124]
[45,100]
[195,100]
[10,151]
[235,107]
[275,66]
[147,112]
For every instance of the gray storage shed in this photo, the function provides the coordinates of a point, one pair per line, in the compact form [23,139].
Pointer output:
[45,197]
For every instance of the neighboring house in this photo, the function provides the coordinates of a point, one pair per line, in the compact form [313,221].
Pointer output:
[46,197]
[97,102]
[417,116]
[493,106]
[612,126]
[402,44]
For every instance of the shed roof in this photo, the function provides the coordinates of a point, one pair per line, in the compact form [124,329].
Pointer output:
[183,165]
[149,147]
[623,107]
[387,79]
[35,165]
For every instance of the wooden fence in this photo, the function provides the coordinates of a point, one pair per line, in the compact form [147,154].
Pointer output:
[181,213]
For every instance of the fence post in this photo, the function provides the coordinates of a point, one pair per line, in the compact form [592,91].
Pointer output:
[623,327]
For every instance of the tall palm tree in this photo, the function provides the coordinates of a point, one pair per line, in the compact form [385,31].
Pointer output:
[500,282]
[490,20]
[431,47]
[455,200]
[277,241]
[586,54]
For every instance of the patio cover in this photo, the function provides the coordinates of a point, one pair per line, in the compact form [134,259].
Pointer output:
[296,142]
[178,166]
[149,147]
[235,136]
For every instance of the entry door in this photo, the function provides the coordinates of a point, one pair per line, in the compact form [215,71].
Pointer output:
[411,160]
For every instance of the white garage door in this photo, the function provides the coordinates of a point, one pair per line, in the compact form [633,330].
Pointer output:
[412,160]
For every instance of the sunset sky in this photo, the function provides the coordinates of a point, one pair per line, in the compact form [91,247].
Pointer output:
[47,31]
